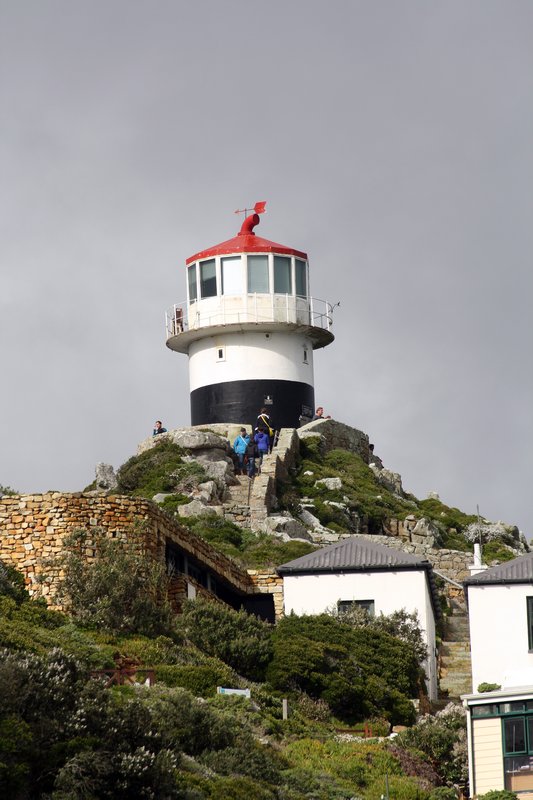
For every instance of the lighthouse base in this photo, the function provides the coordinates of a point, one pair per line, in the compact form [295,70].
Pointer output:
[241,401]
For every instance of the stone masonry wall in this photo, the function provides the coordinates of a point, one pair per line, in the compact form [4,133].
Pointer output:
[267,582]
[33,529]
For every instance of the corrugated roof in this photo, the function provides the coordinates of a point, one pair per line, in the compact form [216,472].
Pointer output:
[353,554]
[519,570]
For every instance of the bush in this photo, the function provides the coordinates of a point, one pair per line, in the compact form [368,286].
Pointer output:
[12,583]
[200,681]
[498,794]
[160,469]
[442,738]
[488,687]
[122,590]
[358,672]
[237,638]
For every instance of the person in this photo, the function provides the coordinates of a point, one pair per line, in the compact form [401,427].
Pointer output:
[158,428]
[263,421]
[262,441]
[239,448]
[252,453]
[319,414]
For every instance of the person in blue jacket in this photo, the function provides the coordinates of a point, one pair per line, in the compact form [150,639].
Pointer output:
[239,447]
[158,428]
[262,441]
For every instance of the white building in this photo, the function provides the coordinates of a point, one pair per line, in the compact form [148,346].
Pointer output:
[500,612]
[378,578]
[500,723]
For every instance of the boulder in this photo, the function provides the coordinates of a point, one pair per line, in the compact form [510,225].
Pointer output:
[330,483]
[196,509]
[286,525]
[390,480]
[106,480]
[161,496]
[191,439]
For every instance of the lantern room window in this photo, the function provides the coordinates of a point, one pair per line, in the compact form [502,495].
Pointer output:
[232,278]
[282,275]
[193,286]
[258,275]
[208,278]
[301,277]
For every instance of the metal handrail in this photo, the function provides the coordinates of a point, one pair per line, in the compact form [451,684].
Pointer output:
[300,310]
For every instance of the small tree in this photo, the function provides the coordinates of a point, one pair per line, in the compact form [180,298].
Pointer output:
[122,589]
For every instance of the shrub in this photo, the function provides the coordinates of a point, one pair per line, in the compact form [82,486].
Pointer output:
[160,469]
[358,672]
[122,590]
[488,687]
[12,583]
[237,638]
[442,738]
[201,681]
[498,794]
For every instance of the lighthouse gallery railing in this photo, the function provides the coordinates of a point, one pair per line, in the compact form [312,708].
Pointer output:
[251,308]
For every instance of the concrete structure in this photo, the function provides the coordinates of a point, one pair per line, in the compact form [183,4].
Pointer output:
[356,571]
[500,610]
[500,741]
[249,327]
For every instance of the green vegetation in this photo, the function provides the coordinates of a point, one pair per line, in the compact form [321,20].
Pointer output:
[497,551]
[488,687]
[119,589]
[63,735]
[158,470]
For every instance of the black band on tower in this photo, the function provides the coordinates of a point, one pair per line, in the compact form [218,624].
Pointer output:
[241,401]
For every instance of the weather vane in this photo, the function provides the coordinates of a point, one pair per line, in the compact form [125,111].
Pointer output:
[259,208]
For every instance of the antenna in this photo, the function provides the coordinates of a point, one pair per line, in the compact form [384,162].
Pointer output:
[335,306]
[259,208]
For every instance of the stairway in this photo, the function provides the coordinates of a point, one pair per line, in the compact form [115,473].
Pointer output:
[237,503]
[455,665]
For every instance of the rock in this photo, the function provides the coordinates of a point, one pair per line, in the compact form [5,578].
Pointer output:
[196,509]
[433,496]
[308,472]
[309,519]
[208,491]
[288,526]
[336,435]
[106,479]
[161,497]
[390,480]
[330,483]
[426,532]
[198,440]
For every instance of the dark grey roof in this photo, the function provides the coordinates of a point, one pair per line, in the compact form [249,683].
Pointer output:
[353,554]
[519,570]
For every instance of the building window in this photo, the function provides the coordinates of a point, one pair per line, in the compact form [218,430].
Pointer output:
[301,277]
[193,288]
[208,278]
[282,275]
[529,601]
[518,753]
[344,606]
[306,356]
[232,282]
[221,353]
[258,275]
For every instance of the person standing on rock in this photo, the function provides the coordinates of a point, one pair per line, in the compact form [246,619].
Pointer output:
[319,414]
[158,428]
[239,448]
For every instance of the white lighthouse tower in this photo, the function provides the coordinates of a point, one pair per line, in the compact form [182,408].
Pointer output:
[249,326]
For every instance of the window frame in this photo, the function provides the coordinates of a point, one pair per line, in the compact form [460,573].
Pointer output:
[201,264]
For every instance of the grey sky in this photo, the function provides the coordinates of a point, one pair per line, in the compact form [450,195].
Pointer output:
[393,143]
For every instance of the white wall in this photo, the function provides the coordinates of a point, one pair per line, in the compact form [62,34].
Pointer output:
[390,591]
[250,356]
[498,635]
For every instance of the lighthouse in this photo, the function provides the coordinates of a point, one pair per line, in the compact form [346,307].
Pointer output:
[249,327]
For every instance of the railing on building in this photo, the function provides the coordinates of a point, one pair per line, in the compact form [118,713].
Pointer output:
[248,309]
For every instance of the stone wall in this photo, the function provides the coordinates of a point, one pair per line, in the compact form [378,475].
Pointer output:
[267,582]
[33,529]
